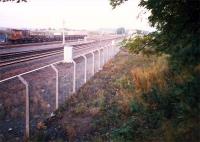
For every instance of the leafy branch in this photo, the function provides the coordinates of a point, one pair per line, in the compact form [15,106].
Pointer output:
[17,1]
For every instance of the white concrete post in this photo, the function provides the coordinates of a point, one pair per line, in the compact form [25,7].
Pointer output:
[115,50]
[103,55]
[57,93]
[93,62]
[68,54]
[27,106]
[74,77]
[63,38]
[108,56]
[99,51]
[112,46]
[85,69]
[110,50]
[85,38]
[63,33]
[68,57]
[118,47]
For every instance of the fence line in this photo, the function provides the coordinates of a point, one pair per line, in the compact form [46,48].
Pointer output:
[74,77]
[108,51]
[85,68]
[56,71]
[92,63]
[27,106]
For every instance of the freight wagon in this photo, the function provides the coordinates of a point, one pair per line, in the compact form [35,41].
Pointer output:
[15,36]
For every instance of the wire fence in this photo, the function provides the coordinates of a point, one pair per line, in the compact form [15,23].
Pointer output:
[31,97]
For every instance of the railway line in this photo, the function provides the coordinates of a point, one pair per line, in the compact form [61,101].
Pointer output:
[19,57]
[28,57]
[5,46]
[20,60]
[9,46]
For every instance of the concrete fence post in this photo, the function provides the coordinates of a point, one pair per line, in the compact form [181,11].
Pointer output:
[63,33]
[112,46]
[85,38]
[108,53]
[99,51]
[68,58]
[57,89]
[93,62]
[85,68]
[74,77]
[26,107]
[103,55]
[115,48]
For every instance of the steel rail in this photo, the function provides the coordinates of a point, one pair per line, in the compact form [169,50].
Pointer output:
[26,53]
[43,50]
[30,58]
[21,74]
[35,44]
[39,55]
[26,56]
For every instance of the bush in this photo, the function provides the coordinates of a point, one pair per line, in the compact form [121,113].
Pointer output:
[167,101]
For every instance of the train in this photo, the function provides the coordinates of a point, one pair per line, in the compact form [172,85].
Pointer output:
[18,36]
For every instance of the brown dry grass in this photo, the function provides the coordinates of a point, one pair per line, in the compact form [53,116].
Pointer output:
[141,77]
[109,86]
[152,76]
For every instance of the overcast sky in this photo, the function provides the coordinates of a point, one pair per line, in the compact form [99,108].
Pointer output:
[78,14]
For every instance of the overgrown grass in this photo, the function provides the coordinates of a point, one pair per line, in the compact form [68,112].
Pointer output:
[152,104]
[155,75]
[136,99]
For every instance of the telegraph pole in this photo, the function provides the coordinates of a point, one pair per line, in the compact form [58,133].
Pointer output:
[63,32]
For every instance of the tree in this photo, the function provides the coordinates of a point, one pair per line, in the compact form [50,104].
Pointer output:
[17,1]
[178,26]
[120,31]
[115,3]
[177,36]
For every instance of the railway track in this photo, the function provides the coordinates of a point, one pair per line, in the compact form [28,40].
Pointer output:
[4,46]
[14,62]
[6,56]
[19,57]
[26,58]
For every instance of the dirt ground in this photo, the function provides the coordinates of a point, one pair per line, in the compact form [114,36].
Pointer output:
[74,121]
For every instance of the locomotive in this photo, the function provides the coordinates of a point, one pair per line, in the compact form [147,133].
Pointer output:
[16,36]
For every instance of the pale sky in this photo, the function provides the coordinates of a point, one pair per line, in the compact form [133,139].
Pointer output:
[78,14]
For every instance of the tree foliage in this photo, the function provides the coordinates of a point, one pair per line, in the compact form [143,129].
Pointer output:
[141,44]
[121,31]
[178,28]
[177,36]
[17,1]
[115,3]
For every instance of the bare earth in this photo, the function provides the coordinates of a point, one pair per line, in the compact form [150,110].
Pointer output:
[74,121]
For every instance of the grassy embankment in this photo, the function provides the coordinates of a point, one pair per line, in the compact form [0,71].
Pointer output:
[126,101]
